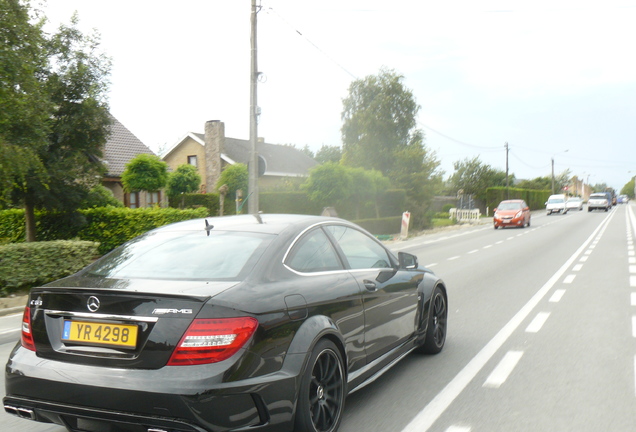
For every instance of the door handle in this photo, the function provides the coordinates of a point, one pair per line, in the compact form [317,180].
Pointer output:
[370,285]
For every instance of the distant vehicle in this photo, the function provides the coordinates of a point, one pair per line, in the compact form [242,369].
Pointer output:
[574,203]
[623,199]
[512,213]
[556,204]
[599,201]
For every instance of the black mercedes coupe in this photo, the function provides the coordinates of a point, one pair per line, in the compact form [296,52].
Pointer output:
[250,322]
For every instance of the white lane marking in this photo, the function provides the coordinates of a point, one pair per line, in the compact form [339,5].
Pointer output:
[588,252]
[630,253]
[453,258]
[503,369]
[569,279]
[456,428]
[436,407]
[487,246]
[577,267]
[10,331]
[556,297]
[510,238]
[499,242]
[635,372]
[583,258]
[473,251]
[634,326]
[415,244]
[632,260]
[633,299]
[537,322]
[431,265]
[632,268]
[632,281]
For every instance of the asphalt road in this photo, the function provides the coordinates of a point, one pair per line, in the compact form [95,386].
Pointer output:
[542,328]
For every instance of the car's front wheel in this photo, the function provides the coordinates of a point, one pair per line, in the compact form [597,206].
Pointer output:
[437,324]
[322,390]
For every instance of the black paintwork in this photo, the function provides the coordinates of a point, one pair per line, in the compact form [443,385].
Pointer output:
[374,316]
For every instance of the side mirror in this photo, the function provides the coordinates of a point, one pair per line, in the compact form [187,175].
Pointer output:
[495,210]
[407,261]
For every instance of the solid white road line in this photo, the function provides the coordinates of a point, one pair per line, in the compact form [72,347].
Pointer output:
[436,407]
[458,429]
[503,369]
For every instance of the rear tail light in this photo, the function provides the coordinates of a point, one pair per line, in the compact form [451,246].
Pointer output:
[212,340]
[27,334]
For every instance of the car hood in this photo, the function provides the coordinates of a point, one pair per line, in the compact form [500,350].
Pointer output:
[147,286]
[507,212]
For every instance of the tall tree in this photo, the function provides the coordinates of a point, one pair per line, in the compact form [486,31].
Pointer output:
[145,172]
[473,177]
[328,154]
[59,161]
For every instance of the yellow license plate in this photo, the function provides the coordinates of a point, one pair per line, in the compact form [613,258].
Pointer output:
[116,335]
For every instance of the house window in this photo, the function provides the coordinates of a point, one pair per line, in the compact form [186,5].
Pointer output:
[153,198]
[192,160]
[133,201]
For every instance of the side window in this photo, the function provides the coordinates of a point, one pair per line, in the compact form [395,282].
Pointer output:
[313,253]
[361,251]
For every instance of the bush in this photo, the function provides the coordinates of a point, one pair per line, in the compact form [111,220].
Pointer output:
[388,225]
[112,227]
[23,265]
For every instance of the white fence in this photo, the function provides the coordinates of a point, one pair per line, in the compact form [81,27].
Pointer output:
[465,215]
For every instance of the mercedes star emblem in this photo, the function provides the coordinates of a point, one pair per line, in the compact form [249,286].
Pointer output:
[92,304]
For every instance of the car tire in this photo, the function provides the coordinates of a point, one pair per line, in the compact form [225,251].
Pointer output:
[322,390]
[528,222]
[496,226]
[437,324]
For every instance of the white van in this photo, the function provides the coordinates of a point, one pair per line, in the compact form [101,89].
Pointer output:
[556,204]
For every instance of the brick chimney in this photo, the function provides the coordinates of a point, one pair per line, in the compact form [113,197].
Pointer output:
[214,146]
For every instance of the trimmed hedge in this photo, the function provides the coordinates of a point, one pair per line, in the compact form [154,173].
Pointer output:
[23,265]
[382,226]
[109,226]
[534,198]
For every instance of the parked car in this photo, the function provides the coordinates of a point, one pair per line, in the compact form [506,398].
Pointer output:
[250,322]
[574,203]
[599,201]
[556,204]
[512,213]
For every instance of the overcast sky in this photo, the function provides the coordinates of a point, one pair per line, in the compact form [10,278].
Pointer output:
[552,78]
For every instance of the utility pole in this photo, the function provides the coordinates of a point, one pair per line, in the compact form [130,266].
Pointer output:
[553,175]
[252,184]
[507,182]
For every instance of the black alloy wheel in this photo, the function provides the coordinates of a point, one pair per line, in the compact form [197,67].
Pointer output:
[437,324]
[322,390]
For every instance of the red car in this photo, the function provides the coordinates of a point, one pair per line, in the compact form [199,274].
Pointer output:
[512,213]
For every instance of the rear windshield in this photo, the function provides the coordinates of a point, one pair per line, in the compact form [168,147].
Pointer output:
[184,256]
[598,197]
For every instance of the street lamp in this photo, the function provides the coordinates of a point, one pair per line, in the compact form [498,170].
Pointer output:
[565,151]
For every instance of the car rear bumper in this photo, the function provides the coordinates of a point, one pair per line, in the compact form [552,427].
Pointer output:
[133,404]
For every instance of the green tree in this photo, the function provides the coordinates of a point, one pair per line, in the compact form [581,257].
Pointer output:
[539,183]
[24,105]
[185,179]
[59,160]
[235,177]
[379,132]
[328,154]
[628,189]
[473,177]
[100,196]
[145,172]
[328,184]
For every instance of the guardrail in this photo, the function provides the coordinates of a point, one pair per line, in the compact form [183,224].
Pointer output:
[465,215]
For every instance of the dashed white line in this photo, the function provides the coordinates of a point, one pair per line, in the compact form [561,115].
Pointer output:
[569,279]
[588,252]
[633,298]
[584,258]
[499,242]
[487,246]
[577,267]
[632,281]
[458,429]
[558,294]
[632,268]
[431,265]
[632,260]
[453,258]
[537,322]
[503,369]
[473,251]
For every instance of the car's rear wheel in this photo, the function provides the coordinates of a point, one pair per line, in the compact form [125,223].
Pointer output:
[437,324]
[322,390]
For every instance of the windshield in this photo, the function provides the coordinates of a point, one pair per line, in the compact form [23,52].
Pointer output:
[555,200]
[184,256]
[509,206]
[598,197]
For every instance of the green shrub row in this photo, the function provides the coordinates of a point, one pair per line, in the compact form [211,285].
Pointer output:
[23,265]
[534,198]
[109,226]
[382,226]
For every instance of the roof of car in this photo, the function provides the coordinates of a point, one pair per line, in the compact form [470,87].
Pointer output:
[264,223]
